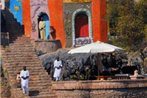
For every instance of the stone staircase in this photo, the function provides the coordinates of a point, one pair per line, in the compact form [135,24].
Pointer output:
[21,53]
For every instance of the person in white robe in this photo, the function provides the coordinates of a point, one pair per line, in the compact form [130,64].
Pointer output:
[24,75]
[57,69]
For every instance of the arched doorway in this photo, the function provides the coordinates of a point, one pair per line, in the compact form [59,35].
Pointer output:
[81,25]
[47,25]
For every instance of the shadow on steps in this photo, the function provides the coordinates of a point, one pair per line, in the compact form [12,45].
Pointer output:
[33,93]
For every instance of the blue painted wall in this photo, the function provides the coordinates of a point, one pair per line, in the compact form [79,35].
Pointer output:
[47,24]
[16,8]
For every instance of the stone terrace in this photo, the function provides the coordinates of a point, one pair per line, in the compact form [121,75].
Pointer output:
[101,89]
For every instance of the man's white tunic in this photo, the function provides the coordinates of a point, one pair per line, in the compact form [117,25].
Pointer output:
[24,82]
[57,66]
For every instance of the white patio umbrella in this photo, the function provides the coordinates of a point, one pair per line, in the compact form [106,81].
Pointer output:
[97,47]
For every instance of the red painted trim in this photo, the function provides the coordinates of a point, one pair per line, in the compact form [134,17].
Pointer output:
[98,20]
[26,17]
[56,19]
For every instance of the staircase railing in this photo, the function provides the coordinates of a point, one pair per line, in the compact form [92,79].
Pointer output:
[5,38]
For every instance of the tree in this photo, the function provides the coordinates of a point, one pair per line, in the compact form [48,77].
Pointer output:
[142,6]
[127,24]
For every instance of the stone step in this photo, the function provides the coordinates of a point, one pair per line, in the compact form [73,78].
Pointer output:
[14,62]
[31,69]
[20,47]
[23,53]
[39,82]
[23,60]
[21,43]
[20,67]
[13,74]
[22,63]
[19,93]
[16,57]
[38,70]
[42,85]
[44,96]
[34,79]
[22,38]
[39,86]
[44,76]
[12,51]
[44,93]
[19,51]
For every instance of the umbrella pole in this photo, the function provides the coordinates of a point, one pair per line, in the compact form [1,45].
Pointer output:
[98,63]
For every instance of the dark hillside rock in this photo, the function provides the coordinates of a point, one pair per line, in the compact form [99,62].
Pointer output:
[73,64]
[84,66]
[138,58]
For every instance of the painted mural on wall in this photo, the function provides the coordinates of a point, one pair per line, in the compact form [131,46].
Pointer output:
[38,9]
[15,7]
[82,41]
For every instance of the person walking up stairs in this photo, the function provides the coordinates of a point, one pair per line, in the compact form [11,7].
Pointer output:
[21,53]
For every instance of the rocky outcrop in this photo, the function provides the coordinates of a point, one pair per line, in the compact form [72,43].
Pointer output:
[75,66]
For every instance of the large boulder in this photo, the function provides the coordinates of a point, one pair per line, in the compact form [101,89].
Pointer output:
[75,66]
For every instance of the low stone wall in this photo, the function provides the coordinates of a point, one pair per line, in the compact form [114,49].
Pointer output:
[101,89]
[47,45]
